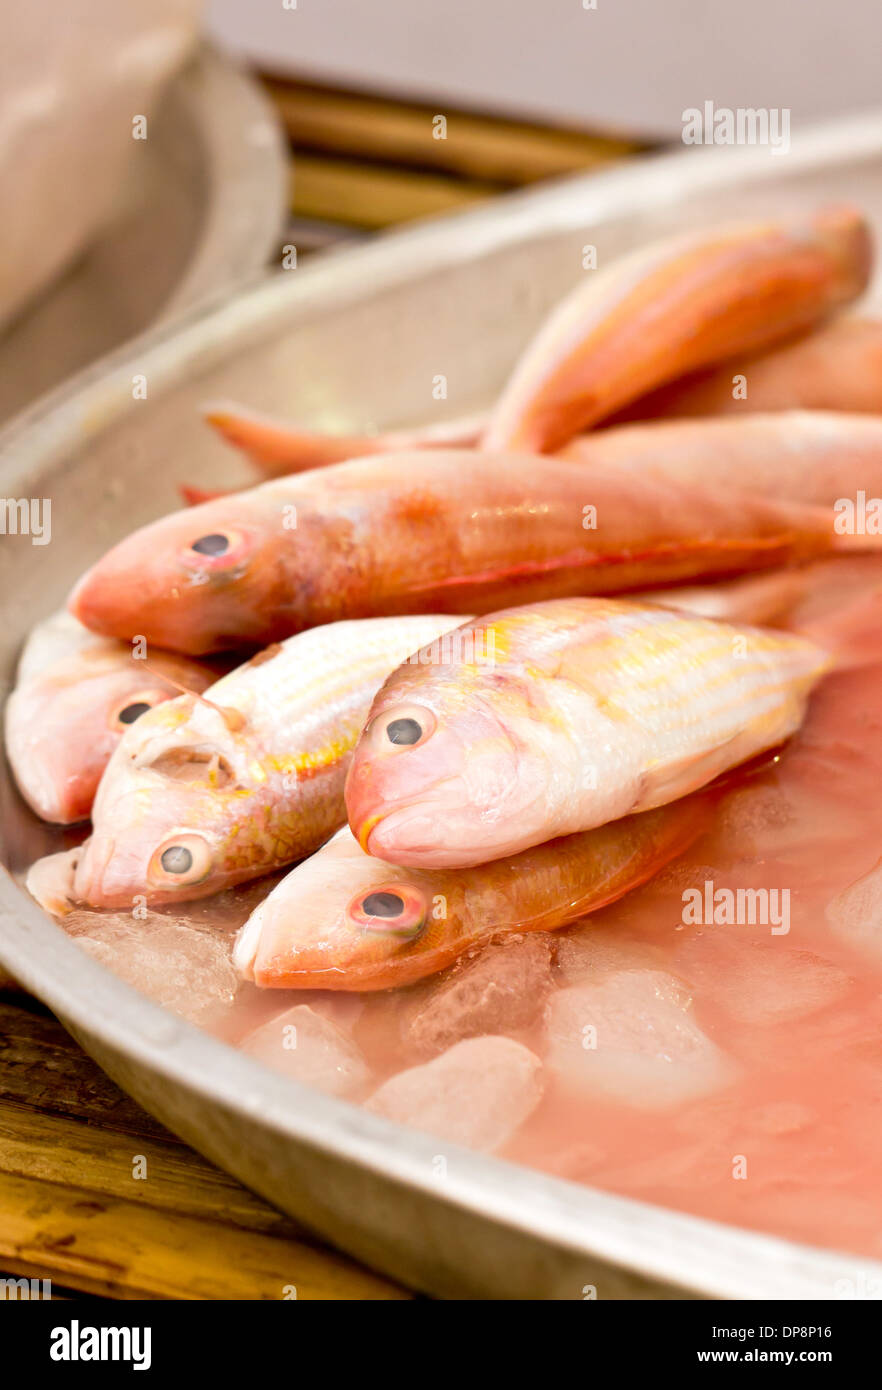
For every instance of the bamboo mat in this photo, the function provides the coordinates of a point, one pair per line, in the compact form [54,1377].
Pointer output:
[361,164]
[70,1209]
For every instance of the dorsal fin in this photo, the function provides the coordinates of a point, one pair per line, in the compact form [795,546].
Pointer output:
[233,718]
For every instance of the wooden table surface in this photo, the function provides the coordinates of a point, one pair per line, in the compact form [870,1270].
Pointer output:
[71,1209]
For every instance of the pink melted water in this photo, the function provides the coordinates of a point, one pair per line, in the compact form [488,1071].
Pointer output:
[742,1077]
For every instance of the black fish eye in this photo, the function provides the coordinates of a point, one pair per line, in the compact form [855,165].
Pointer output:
[403,731]
[177,859]
[133,712]
[382,905]
[215,544]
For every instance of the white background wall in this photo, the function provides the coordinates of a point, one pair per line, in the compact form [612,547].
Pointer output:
[631,64]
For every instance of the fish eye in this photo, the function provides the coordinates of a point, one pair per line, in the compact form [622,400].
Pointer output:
[183,858]
[383,905]
[133,712]
[133,706]
[403,731]
[215,544]
[216,551]
[396,909]
[177,859]
[405,727]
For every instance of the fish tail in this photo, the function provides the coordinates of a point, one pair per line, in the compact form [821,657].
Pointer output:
[852,633]
[277,448]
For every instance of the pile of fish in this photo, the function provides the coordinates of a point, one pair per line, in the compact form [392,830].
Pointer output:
[491,674]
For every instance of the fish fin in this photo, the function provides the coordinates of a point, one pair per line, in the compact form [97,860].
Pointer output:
[194,496]
[277,448]
[233,718]
[679,776]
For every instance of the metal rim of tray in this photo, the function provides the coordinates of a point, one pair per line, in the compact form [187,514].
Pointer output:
[246,154]
[688,1252]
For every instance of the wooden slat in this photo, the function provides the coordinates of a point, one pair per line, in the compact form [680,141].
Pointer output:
[108,1246]
[479,147]
[42,1068]
[374,196]
[72,1210]
[34,1145]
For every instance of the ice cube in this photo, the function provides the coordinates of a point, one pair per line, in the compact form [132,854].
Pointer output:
[312,1049]
[586,950]
[628,1035]
[477,1093]
[786,820]
[501,989]
[855,914]
[341,1008]
[759,982]
[183,967]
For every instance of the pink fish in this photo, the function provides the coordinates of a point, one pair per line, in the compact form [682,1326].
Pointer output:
[582,711]
[673,308]
[432,531]
[75,696]
[344,920]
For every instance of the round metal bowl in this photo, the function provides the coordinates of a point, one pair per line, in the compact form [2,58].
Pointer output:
[354,339]
[203,209]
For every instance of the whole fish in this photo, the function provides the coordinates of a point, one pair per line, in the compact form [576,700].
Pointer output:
[584,710]
[811,456]
[278,448]
[437,530]
[838,367]
[75,696]
[673,308]
[343,920]
[207,792]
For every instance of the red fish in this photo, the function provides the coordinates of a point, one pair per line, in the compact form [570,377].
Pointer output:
[344,920]
[674,308]
[444,531]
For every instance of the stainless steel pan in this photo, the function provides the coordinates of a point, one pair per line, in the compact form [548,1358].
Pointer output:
[354,339]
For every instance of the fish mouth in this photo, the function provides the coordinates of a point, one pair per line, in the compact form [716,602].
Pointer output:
[363,834]
[94,860]
[410,838]
[247,945]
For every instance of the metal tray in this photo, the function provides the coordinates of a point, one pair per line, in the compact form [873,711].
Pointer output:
[352,339]
[203,208]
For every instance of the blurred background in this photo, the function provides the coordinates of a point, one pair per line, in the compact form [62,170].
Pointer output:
[161,152]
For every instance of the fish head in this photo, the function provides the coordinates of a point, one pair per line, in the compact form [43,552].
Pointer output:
[344,920]
[177,815]
[196,581]
[443,774]
[63,725]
